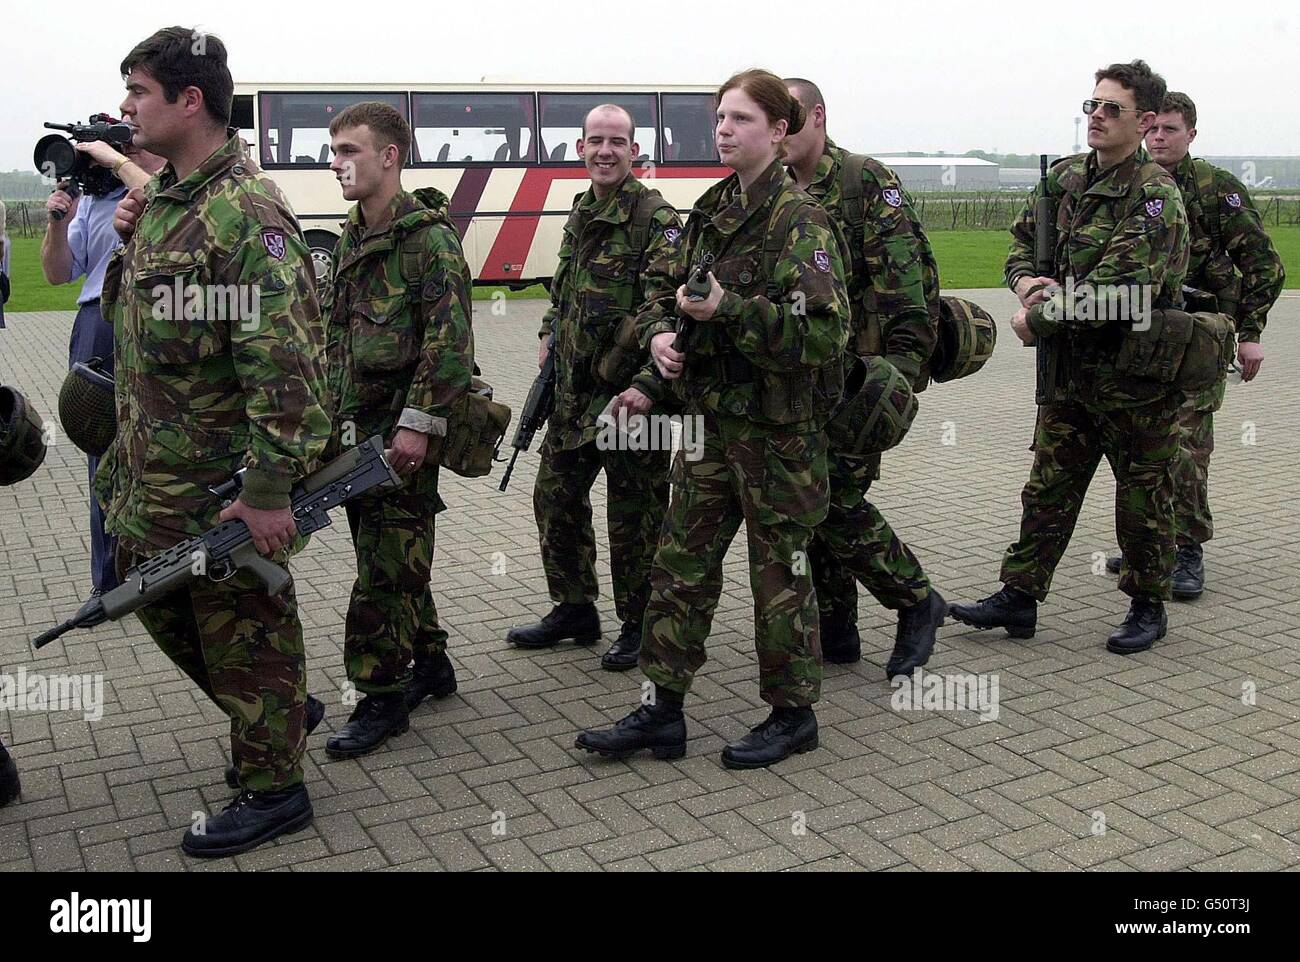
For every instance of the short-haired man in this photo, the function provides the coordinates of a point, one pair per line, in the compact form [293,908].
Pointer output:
[894,289]
[1123,230]
[613,259]
[199,397]
[1233,258]
[79,239]
[401,354]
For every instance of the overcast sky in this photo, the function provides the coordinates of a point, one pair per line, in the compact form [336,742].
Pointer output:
[921,76]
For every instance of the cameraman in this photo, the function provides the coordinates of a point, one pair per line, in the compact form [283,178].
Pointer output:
[79,245]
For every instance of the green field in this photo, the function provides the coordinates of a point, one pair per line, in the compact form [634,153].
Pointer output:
[967,258]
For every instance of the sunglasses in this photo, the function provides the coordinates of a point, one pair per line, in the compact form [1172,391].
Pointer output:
[1109,108]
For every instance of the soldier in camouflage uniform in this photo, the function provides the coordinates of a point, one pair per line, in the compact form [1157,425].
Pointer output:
[614,257]
[762,366]
[202,393]
[401,353]
[893,288]
[1121,225]
[1232,258]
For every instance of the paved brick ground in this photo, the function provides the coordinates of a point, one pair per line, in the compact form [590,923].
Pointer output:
[1159,745]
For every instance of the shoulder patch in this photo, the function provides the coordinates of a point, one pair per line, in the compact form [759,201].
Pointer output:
[893,196]
[1233,200]
[273,241]
[822,261]
[671,234]
[1155,206]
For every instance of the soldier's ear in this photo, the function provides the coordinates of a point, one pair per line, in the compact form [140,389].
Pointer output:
[1191,135]
[1145,121]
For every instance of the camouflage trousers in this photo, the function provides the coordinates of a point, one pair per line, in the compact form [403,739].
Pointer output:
[636,499]
[775,480]
[392,617]
[244,649]
[855,543]
[1195,525]
[1070,439]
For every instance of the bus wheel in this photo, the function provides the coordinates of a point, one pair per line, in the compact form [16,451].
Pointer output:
[322,243]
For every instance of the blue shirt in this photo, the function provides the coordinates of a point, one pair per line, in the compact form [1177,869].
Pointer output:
[92,240]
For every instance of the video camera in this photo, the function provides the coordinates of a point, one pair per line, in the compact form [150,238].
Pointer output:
[56,158]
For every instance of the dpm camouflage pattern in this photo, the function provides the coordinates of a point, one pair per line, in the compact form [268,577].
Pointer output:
[1069,441]
[401,351]
[893,288]
[608,268]
[751,374]
[1122,227]
[199,394]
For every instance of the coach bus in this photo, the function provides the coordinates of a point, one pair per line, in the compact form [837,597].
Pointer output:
[504,154]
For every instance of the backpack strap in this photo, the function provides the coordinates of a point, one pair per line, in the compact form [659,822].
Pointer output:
[649,204]
[852,206]
[1206,195]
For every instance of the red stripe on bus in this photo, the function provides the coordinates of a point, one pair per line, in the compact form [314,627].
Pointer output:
[465,198]
[515,238]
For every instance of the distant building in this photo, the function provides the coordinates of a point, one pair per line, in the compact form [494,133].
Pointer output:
[943,173]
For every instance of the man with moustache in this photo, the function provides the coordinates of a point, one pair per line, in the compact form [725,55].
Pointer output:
[1121,225]
[614,258]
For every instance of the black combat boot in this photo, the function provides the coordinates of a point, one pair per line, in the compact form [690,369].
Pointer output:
[841,643]
[914,637]
[1189,572]
[625,652]
[1113,563]
[251,819]
[312,716]
[1145,624]
[785,732]
[373,721]
[1009,608]
[435,677]
[566,620]
[9,785]
[659,727]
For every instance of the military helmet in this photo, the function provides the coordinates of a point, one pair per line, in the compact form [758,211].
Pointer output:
[22,438]
[876,409]
[967,336]
[87,409]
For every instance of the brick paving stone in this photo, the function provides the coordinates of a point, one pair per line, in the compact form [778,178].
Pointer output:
[1187,776]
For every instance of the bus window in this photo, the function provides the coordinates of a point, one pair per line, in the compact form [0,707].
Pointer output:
[562,116]
[465,128]
[688,128]
[295,127]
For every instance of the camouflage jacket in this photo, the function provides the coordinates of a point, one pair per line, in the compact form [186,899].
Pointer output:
[773,339]
[219,356]
[401,346]
[1228,238]
[601,280]
[1124,227]
[893,279]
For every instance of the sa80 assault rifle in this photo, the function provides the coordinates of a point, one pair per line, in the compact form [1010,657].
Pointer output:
[218,553]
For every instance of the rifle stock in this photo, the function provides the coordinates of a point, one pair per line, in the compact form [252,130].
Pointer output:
[1047,350]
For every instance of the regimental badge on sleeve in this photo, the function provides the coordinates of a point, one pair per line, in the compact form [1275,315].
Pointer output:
[1233,200]
[671,234]
[893,196]
[1155,206]
[822,261]
[273,241]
